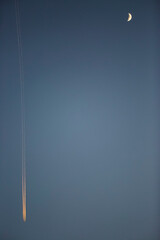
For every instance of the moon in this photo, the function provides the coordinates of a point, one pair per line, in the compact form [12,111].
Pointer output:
[129,17]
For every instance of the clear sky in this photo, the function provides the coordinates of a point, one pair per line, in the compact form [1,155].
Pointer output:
[92,120]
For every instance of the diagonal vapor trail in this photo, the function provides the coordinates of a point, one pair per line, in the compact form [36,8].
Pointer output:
[21,72]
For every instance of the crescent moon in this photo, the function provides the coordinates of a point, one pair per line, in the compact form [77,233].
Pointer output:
[129,17]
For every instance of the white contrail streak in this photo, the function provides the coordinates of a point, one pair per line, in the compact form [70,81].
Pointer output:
[21,71]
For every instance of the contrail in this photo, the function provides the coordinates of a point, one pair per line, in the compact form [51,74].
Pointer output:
[21,72]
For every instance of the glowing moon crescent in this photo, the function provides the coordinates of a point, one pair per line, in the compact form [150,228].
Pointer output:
[129,17]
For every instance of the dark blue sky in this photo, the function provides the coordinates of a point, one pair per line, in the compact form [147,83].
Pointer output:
[92,120]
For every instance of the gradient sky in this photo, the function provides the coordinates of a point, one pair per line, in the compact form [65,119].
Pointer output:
[92,120]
